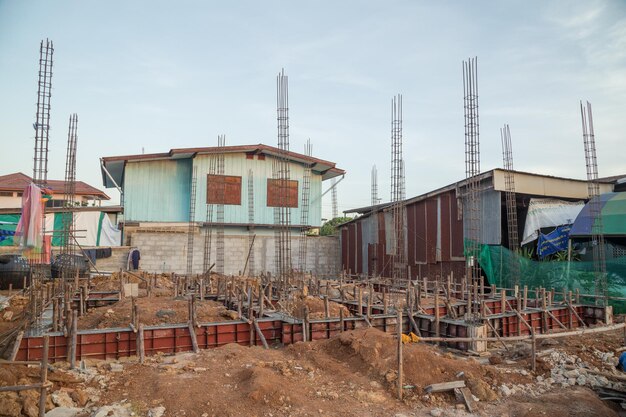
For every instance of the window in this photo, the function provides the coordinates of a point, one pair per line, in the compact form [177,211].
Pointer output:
[6,193]
[223,189]
[289,193]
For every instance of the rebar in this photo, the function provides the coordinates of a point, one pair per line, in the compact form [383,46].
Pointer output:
[208,232]
[68,269]
[398,259]
[375,199]
[251,265]
[510,198]
[42,118]
[221,195]
[284,211]
[304,208]
[472,169]
[192,219]
[595,206]
[333,193]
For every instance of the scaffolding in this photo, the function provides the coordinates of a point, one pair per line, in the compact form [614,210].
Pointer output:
[304,208]
[398,258]
[472,201]
[595,206]
[192,219]
[283,173]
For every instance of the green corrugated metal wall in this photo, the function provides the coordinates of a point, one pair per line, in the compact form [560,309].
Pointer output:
[157,190]
[237,164]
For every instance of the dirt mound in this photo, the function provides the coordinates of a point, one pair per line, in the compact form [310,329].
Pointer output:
[575,402]
[374,353]
[316,308]
[153,311]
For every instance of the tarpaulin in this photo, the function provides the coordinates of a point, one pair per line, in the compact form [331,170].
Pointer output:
[29,229]
[613,217]
[548,212]
[553,242]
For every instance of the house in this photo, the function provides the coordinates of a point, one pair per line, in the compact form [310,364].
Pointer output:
[157,191]
[12,186]
[436,223]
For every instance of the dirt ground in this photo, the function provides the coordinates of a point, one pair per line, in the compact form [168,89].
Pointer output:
[316,308]
[154,311]
[352,374]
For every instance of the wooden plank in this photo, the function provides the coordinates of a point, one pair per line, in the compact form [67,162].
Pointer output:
[444,386]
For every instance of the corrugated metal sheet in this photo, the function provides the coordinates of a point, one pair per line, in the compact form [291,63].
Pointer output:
[238,165]
[157,190]
[490,217]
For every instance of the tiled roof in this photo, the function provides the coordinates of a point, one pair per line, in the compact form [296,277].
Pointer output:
[18,181]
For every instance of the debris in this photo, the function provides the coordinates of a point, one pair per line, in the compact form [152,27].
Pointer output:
[444,386]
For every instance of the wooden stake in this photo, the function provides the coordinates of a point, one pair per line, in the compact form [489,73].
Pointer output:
[400,370]
[74,339]
[44,376]
[141,350]
[16,346]
[194,339]
[260,333]
[341,322]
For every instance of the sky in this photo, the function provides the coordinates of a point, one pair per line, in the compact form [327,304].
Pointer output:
[151,75]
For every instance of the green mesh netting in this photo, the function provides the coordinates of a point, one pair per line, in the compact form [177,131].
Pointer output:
[501,265]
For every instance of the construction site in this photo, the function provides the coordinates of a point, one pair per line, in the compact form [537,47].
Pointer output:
[225,301]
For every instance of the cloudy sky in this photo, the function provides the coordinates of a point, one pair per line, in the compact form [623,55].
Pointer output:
[153,75]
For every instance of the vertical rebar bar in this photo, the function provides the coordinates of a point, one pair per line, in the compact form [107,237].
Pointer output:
[192,219]
[472,209]
[595,205]
[251,263]
[304,208]
[511,200]
[399,267]
[284,210]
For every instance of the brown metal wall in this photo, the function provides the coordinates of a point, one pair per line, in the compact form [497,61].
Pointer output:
[421,241]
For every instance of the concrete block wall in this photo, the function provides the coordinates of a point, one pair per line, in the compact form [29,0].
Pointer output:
[166,251]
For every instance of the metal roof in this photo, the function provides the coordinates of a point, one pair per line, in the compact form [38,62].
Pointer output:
[115,164]
[18,181]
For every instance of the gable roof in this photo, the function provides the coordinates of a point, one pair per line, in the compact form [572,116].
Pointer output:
[18,181]
[115,164]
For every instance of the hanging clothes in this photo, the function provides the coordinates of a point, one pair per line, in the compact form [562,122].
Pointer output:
[28,232]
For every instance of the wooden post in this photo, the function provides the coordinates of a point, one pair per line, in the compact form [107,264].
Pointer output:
[44,376]
[533,350]
[525,304]
[368,313]
[386,302]
[570,318]
[577,296]
[141,347]
[194,339]
[260,333]
[55,307]
[10,290]
[360,302]
[326,307]
[341,322]
[436,314]
[74,339]
[16,345]
[503,301]
[305,324]
[400,370]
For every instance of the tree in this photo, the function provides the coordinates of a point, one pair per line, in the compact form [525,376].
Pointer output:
[330,227]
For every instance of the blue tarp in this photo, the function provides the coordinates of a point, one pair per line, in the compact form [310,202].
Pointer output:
[553,242]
